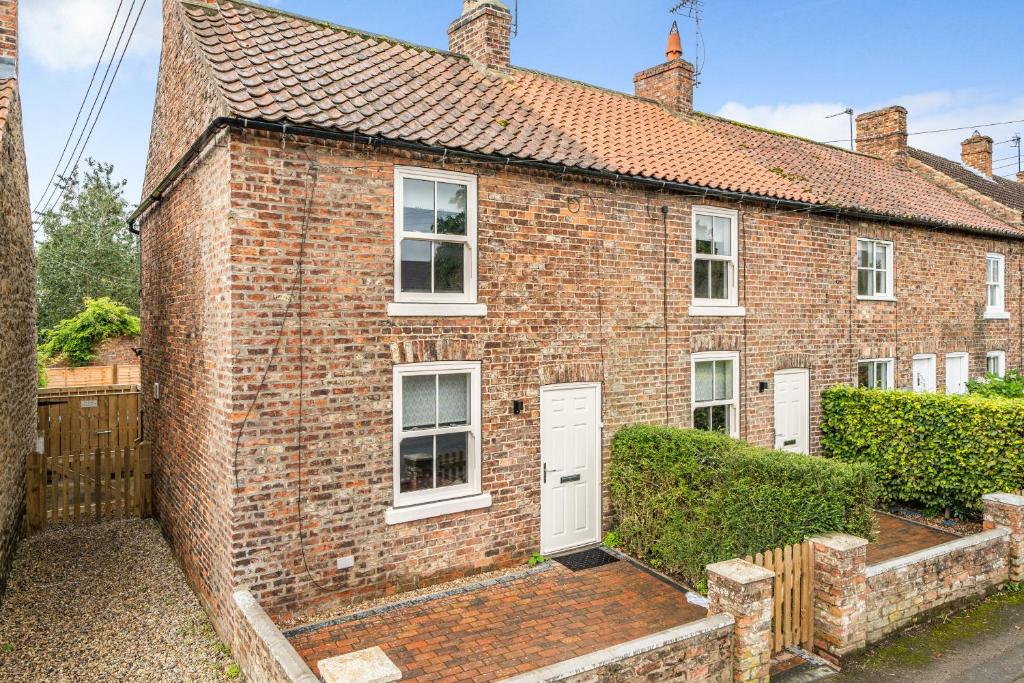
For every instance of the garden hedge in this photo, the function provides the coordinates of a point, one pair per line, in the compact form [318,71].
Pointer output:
[939,451]
[683,498]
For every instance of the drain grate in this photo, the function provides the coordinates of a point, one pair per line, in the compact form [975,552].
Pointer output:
[586,559]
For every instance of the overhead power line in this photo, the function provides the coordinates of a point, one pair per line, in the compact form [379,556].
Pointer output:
[81,107]
[80,145]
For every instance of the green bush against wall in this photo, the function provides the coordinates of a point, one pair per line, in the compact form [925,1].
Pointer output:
[76,339]
[683,499]
[939,451]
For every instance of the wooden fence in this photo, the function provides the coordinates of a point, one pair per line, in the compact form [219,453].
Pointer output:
[93,376]
[71,488]
[76,420]
[793,620]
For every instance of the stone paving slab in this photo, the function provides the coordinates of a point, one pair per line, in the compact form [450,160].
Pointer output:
[511,628]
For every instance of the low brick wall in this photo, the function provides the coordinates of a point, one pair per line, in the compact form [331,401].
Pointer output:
[907,589]
[262,651]
[699,651]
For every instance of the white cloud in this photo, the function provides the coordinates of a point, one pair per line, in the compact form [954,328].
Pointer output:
[68,34]
[926,111]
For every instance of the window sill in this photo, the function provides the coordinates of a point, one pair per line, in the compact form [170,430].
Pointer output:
[718,311]
[400,310]
[442,507]
[996,315]
[875,298]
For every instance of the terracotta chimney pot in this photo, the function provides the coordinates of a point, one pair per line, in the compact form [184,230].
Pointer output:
[675,45]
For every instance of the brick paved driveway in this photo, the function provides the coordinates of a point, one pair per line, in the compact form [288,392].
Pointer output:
[898,537]
[502,630]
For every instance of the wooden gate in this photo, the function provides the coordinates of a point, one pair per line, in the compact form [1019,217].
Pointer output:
[793,618]
[71,488]
[77,419]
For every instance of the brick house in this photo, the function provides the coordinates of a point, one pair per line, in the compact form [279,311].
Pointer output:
[17,299]
[397,300]
[884,133]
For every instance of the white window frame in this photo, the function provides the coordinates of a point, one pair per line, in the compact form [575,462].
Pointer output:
[716,307]
[460,491]
[967,371]
[433,304]
[890,371]
[1000,358]
[998,309]
[890,274]
[929,384]
[734,402]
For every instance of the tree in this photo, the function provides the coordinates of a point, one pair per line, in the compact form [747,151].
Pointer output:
[86,249]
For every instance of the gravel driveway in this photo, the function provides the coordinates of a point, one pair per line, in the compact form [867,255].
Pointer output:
[105,603]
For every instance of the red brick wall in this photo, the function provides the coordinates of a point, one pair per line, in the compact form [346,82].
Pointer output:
[572,274]
[113,351]
[186,338]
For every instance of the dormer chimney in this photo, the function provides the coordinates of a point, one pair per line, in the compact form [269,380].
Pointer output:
[883,133]
[670,84]
[483,32]
[976,152]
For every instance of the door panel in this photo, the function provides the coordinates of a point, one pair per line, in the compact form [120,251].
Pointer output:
[923,368]
[570,450]
[791,410]
[956,373]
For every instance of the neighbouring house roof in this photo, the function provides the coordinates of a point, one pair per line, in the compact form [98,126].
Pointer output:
[8,87]
[278,67]
[1006,192]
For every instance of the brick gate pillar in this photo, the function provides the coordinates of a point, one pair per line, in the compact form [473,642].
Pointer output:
[1007,511]
[840,595]
[744,590]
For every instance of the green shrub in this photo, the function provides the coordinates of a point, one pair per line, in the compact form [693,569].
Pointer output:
[1009,386]
[41,376]
[939,451]
[683,498]
[76,338]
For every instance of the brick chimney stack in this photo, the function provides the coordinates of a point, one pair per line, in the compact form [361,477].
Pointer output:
[976,152]
[1020,178]
[670,84]
[483,32]
[8,38]
[883,133]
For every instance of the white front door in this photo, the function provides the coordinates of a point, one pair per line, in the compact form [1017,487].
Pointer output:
[956,373]
[923,368]
[570,454]
[792,403]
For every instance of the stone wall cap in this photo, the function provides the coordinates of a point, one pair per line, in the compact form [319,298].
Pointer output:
[714,625]
[840,541]
[1004,498]
[363,666]
[937,551]
[740,571]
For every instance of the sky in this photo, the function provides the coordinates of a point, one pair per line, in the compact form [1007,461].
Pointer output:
[782,65]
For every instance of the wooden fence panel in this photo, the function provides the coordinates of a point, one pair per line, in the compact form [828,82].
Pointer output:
[73,487]
[793,611]
[93,376]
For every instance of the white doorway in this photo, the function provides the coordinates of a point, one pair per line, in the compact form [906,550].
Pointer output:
[792,408]
[570,454]
[956,373]
[923,367]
